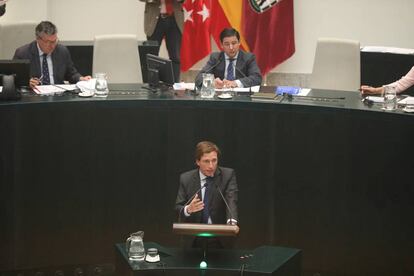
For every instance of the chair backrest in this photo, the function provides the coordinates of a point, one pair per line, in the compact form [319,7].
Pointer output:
[117,56]
[337,65]
[14,35]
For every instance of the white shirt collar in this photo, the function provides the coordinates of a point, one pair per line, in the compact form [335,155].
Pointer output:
[202,176]
[234,58]
[40,50]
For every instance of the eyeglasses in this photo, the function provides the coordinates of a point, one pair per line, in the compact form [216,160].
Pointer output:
[49,42]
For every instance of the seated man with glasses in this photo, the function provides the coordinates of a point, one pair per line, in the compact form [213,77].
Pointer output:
[231,67]
[50,62]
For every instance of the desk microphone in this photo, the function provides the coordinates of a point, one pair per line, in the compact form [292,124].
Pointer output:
[188,201]
[209,71]
[225,202]
[206,72]
[291,97]
[215,65]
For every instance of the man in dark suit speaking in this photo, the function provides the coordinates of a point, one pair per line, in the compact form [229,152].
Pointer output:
[231,67]
[198,199]
[50,62]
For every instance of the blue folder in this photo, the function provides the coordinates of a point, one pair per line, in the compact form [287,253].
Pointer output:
[290,90]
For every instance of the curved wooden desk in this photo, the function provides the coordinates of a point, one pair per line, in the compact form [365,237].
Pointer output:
[331,177]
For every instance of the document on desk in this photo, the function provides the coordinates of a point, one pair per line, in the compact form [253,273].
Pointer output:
[375,99]
[304,91]
[184,85]
[48,89]
[191,86]
[253,89]
[407,101]
[67,87]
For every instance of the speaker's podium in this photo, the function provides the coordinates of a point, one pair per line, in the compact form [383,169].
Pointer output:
[264,260]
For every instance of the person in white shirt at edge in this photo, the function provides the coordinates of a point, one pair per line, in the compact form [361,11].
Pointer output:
[400,86]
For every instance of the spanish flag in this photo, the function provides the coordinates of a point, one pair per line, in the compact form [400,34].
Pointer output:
[226,14]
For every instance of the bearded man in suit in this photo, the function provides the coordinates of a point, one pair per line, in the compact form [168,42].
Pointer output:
[231,67]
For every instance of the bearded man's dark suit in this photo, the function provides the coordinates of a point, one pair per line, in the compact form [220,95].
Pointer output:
[247,70]
[225,180]
[63,68]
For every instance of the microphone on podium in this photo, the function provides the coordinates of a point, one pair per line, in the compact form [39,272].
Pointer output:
[225,202]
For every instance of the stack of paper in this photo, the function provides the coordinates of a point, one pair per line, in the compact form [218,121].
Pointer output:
[407,101]
[48,89]
[184,85]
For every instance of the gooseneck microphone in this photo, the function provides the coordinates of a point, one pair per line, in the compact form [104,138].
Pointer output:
[188,201]
[225,202]
[214,65]
[209,70]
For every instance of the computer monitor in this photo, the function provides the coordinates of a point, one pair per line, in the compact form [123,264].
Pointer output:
[18,67]
[160,71]
[144,48]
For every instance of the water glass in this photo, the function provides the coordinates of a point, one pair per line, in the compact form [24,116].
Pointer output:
[207,89]
[390,98]
[101,85]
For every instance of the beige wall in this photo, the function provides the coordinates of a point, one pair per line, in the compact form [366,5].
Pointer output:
[372,22]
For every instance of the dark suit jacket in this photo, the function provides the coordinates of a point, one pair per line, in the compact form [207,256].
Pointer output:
[247,70]
[63,68]
[225,179]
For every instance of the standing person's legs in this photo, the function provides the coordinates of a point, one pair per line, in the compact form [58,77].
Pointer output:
[173,43]
[158,33]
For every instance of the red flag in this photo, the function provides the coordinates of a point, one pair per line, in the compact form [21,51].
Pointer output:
[195,43]
[269,31]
